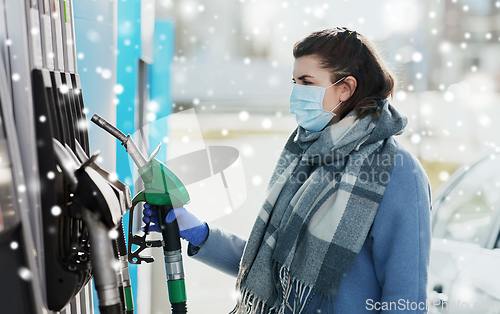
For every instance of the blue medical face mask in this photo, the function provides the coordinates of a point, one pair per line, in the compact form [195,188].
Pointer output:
[306,102]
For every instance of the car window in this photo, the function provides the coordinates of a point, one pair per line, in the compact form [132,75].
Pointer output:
[466,211]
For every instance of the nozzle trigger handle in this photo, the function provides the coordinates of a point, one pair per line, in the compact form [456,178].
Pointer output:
[134,256]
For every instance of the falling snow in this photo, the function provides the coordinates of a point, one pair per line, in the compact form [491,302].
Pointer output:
[64,89]
[257,180]
[243,115]
[247,150]
[113,234]
[106,74]
[55,210]
[444,175]
[266,123]
[118,89]
[113,177]
[456,103]
[24,273]
[14,245]
[417,57]
[416,138]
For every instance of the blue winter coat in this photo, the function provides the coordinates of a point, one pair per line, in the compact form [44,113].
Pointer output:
[389,275]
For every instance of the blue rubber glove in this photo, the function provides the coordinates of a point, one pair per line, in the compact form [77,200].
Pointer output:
[190,228]
[150,214]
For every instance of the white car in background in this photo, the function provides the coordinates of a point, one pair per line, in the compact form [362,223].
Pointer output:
[464,272]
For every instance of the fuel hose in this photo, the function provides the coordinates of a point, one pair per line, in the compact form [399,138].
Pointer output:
[173,261]
[125,286]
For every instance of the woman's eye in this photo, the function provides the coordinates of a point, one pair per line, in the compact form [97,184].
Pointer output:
[304,82]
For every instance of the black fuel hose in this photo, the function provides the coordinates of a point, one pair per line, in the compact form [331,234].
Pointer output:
[111,309]
[173,262]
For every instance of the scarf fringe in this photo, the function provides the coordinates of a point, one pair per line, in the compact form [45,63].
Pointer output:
[304,298]
[250,304]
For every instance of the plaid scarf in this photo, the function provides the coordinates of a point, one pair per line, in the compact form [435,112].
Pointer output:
[313,224]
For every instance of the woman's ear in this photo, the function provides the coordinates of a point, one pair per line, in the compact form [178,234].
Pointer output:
[348,88]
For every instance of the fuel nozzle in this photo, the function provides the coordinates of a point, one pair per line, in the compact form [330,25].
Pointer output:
[126,140]
[164,189]
[162,186]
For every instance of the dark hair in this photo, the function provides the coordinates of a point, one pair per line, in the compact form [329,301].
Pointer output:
[345,52]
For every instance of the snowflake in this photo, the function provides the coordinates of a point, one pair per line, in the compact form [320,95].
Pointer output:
[243,115]
[106,74]
[444,175]
[118,89]
[416,138]
[14,245]
[417,57]
[24,273]
[55,210]
[256,180]
[266,123]
[113,234]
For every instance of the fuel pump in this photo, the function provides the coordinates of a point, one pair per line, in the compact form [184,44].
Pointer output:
[101,205]
[54,235]
[119,244]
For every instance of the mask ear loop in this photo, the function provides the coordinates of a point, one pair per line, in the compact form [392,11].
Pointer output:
[336,106]
[336,82]
[340,101]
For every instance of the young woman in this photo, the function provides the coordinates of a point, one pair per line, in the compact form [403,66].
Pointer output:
[345,227]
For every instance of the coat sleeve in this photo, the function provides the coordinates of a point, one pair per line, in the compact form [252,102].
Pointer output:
[401,237]
[222,250]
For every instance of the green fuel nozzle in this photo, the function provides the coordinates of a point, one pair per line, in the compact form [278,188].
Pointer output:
[161,186]
[163,189]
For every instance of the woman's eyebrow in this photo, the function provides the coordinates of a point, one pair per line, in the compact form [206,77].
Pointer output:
[302,77]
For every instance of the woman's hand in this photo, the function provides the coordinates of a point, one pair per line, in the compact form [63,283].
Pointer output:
[150,214]
[190,228]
